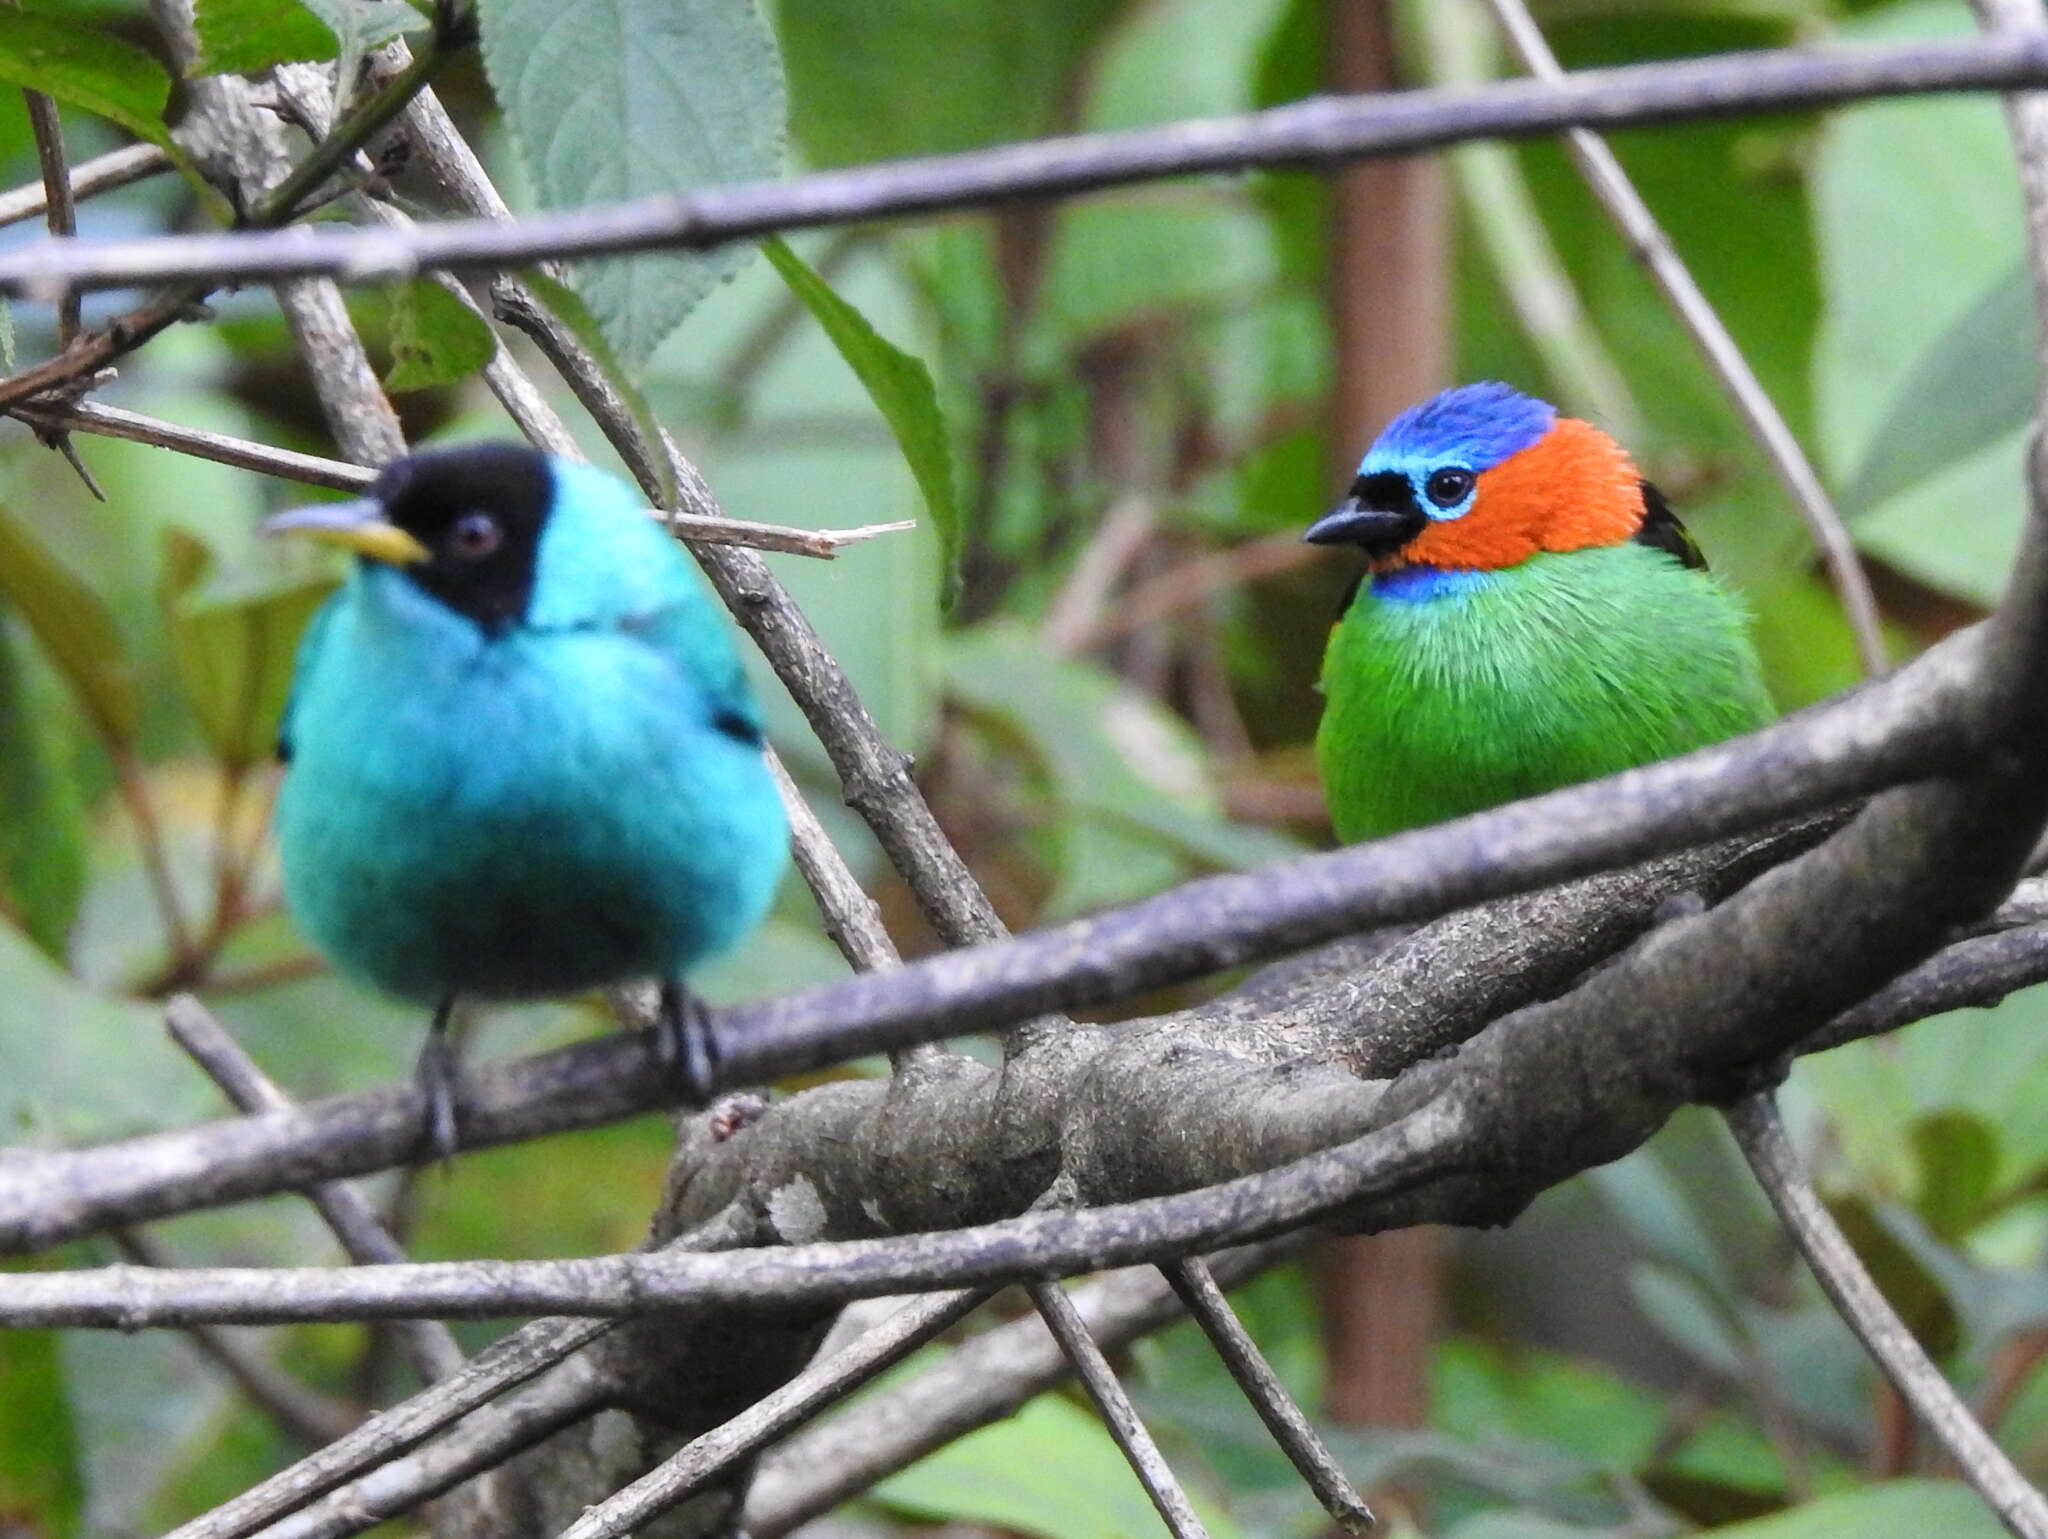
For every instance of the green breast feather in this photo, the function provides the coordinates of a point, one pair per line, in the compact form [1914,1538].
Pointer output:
[1503,684]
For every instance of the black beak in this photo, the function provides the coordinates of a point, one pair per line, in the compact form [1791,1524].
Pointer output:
[1377,531]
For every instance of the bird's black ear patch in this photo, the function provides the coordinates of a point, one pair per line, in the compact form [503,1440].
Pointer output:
[1662,530]
[479,511]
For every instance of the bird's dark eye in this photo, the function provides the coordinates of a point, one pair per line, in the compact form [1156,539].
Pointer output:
[1449,486]
[475,536]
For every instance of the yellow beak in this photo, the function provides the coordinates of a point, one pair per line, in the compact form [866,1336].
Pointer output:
[360,525]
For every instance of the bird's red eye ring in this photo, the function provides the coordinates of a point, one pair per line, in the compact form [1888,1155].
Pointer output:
[475,536]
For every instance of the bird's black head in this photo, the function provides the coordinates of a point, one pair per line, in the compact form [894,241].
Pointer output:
[478,513]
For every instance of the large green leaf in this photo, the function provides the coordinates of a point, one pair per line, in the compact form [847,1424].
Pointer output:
[901,388]
[234,650]
[42,815]
[74,629]
[1975,386]
[80,65]
[1917,216]
[1050,1470]
[41,1485]
[617,99]
[436,339]
[1921,1507]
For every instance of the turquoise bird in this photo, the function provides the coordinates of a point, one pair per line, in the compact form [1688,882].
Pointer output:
[521,758]
[1532,615]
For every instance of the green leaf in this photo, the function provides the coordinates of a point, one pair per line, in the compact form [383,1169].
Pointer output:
[73,628]
[42,815]
[436,339]
[1682,1310]
[1945,1507]
[568,307]
[1918,215]
[1959,1159]
[361,25]
[901,388]
[234,652]
[1912,1289]
[918,77]
[1134,803]
[1050,1470]
[638,98]
[1973,387]
[87,68]
[41,1484]
[244,37]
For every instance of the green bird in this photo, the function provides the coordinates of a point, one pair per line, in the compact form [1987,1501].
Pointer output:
[1532,615]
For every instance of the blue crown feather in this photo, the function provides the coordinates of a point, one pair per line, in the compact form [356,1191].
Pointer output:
[1476,426]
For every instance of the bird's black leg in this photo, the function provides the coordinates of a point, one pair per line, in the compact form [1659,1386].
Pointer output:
[435,1076]
[686,1041]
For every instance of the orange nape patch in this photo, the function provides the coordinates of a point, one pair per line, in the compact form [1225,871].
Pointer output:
[1572,488]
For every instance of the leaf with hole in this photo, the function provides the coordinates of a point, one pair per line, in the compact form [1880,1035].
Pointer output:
[617,99]
[73,628]
[900,386]
[436,339]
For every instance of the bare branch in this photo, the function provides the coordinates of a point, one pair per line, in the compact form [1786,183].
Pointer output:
[63,214]
[103,173]
[775,1414]
[1323,131]
[429,1345]
[1427,1142]
[1884,1335]
[982,1381]
[1197,1291]
[1126,1427]
[1610,184]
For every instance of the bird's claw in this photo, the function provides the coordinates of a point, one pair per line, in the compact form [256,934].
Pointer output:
[687,1043]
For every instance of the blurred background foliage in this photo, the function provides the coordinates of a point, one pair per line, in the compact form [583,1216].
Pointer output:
[1095,644]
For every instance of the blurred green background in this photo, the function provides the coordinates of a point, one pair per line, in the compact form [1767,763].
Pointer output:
[1137,398]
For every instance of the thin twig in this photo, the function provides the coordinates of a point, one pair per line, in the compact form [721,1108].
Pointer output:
[103,173]
[985,1379]
[1319,132]
[1884,1335]
[780,1411]
[1432,1141]
[1128,1429]
[526,1353]
[63,214]
[429,1345]
[1611,186]
[315,470]
[222,448]
[308,1416]
[1299,1440]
